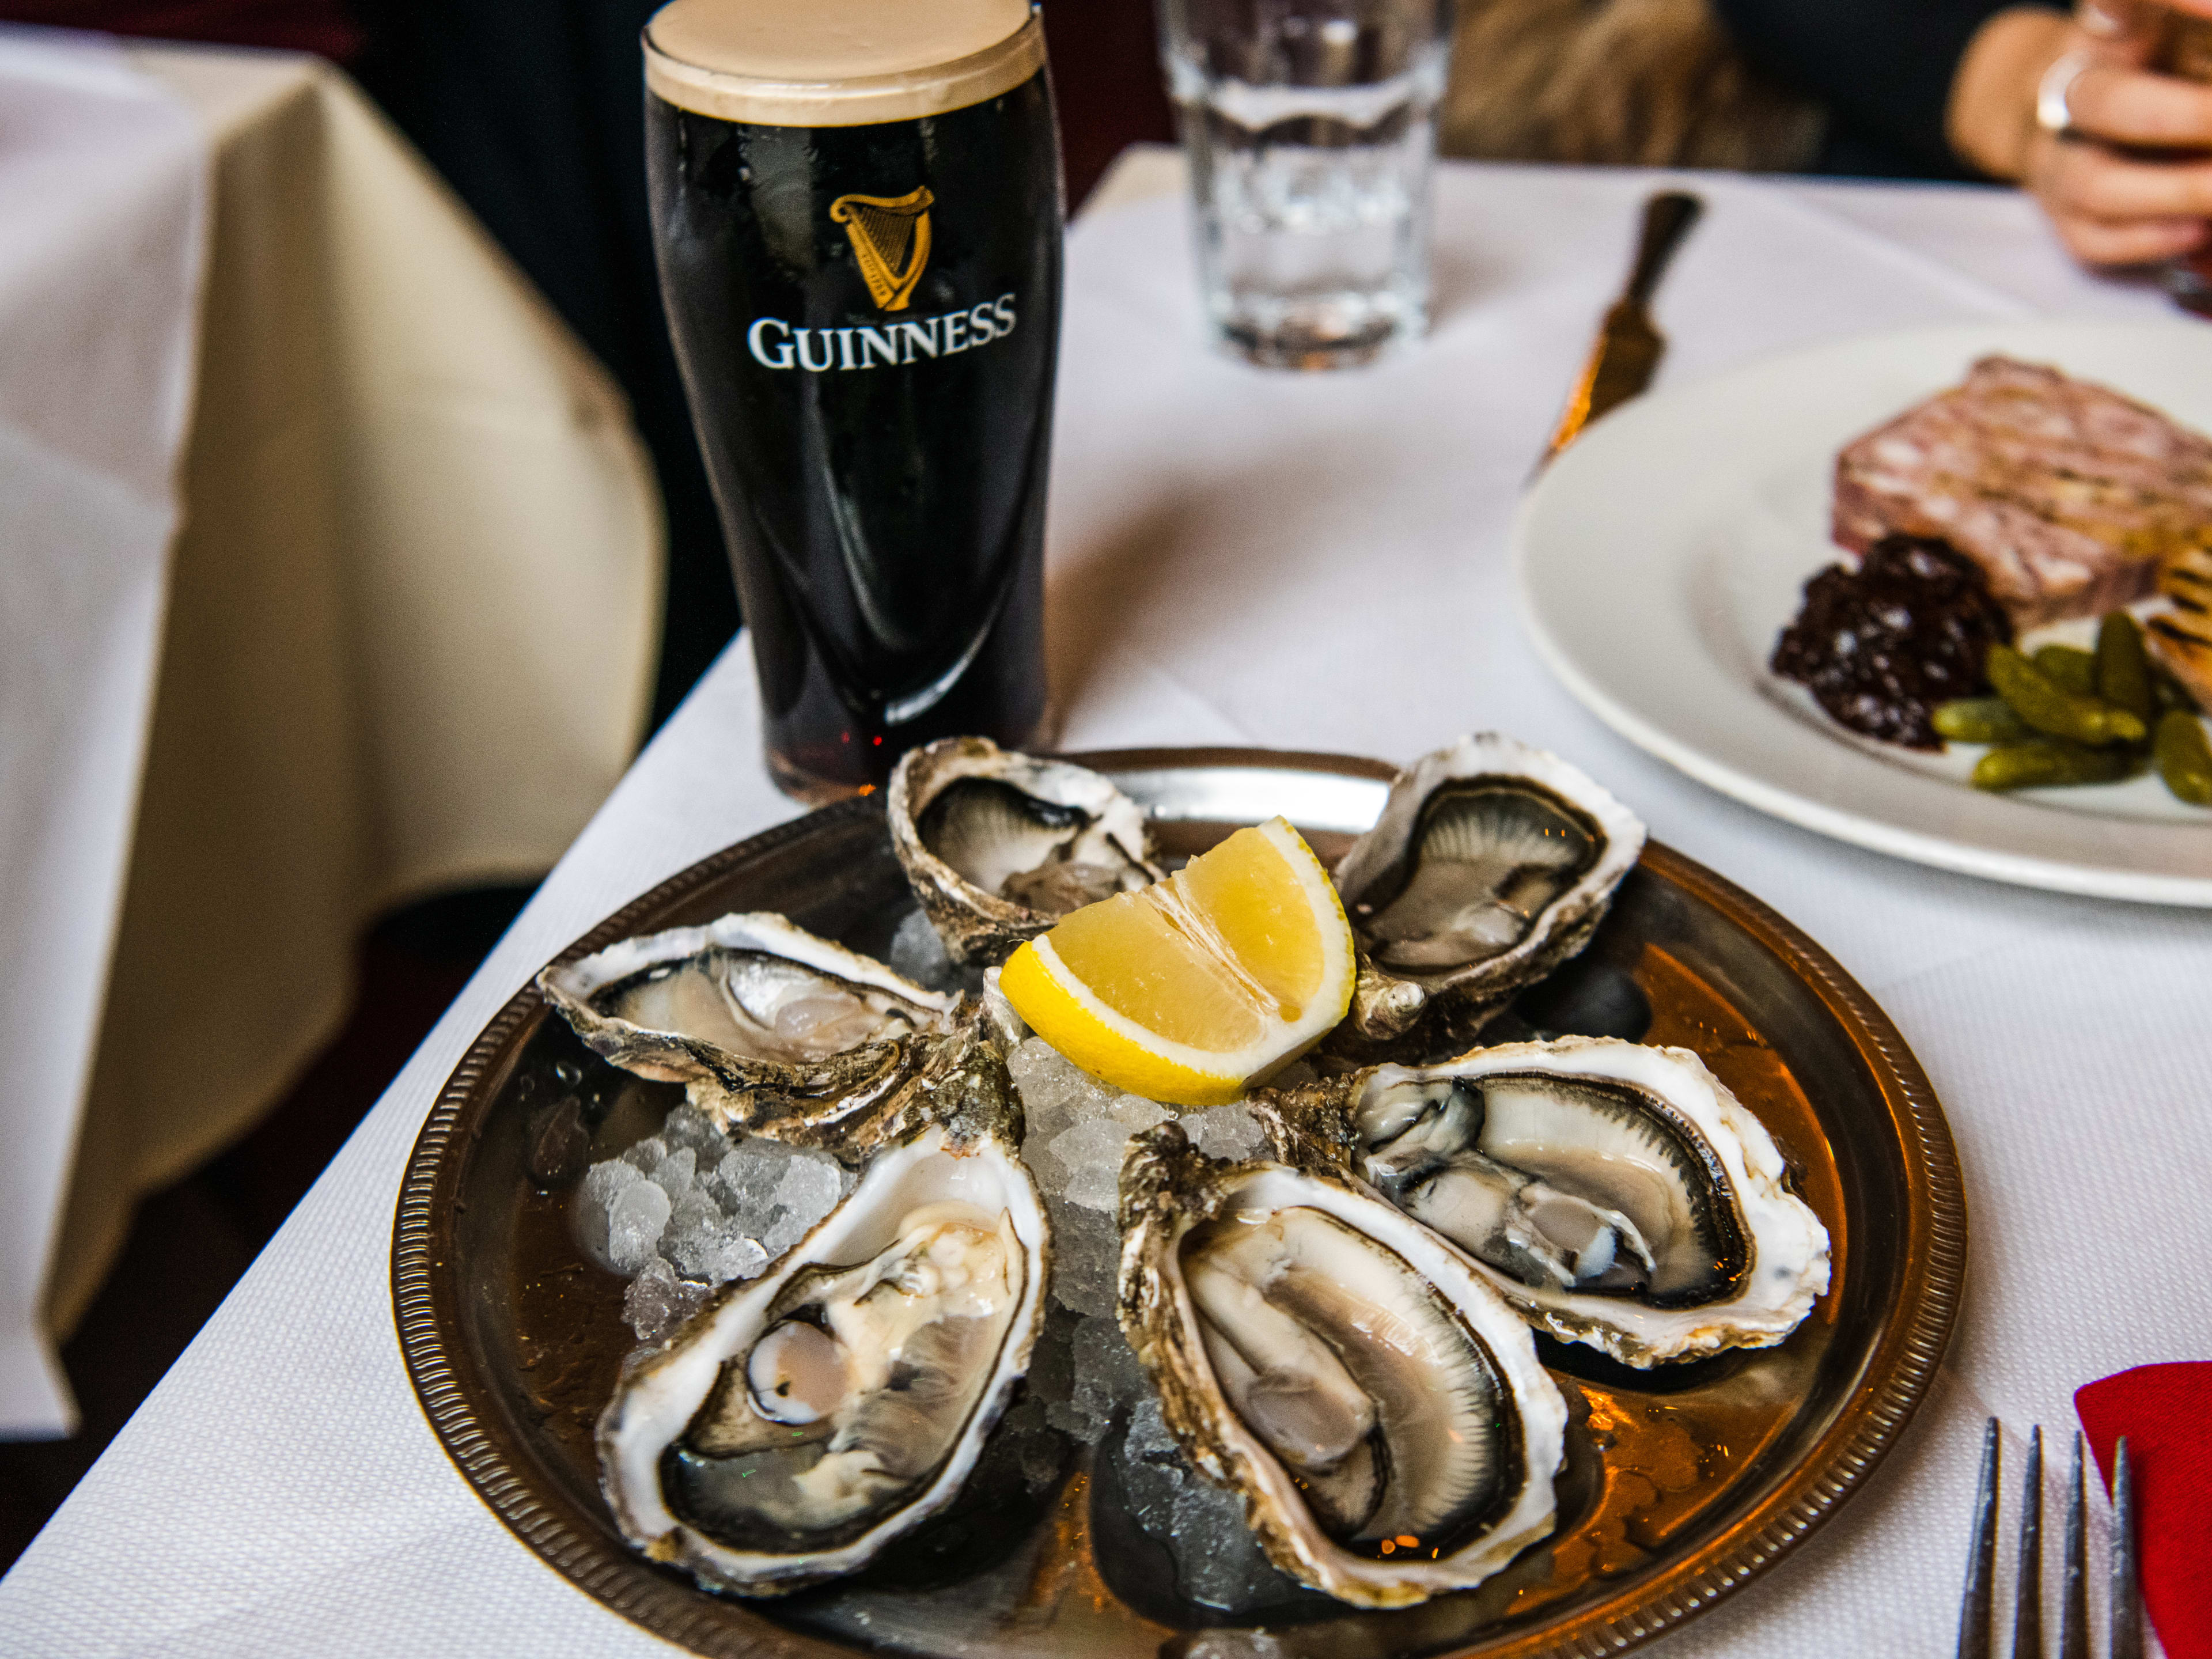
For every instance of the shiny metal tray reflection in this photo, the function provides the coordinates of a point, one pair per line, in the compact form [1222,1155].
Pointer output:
[1679,1484]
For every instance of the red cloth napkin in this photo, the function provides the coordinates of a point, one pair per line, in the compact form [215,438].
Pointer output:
[2165,1411]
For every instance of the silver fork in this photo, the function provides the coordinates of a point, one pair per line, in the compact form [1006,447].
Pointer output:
[1976,1608]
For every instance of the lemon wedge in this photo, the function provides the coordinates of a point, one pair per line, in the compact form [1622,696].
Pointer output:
[1190,991]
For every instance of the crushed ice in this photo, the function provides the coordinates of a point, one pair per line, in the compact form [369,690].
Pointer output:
[917,952]
[1219,1559]
[690,1208]
[1079,1128]
[1078,1133]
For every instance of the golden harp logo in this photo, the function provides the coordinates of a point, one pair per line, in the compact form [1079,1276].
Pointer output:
[891,240]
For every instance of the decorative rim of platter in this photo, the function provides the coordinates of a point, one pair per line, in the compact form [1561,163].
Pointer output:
[510,1475]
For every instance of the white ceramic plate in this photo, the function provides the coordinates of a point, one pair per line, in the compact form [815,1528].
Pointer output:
[1659,557]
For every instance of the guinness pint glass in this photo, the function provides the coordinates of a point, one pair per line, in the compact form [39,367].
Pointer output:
[857,209]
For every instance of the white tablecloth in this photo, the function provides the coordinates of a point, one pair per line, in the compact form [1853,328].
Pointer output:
[1318,563]
[102,238]
[403,637]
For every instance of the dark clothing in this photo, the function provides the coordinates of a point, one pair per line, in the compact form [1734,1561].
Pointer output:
[1883,67]
[322,26]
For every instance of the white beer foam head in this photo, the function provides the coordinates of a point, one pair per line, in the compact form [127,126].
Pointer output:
[838,62]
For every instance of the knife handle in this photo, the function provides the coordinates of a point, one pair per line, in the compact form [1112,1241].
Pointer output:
[1667,217]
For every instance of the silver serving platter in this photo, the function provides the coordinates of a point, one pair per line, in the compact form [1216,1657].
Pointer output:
[1680,1485]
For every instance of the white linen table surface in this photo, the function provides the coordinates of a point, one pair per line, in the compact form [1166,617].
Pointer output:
[1310,562]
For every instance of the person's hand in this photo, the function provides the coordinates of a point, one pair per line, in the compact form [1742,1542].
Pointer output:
[2114,199]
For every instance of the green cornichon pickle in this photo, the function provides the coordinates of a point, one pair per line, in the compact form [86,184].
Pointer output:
[2043,764]
[2123,669]
[1980,719]
[2072,667]
[2049,707]
[2185,756]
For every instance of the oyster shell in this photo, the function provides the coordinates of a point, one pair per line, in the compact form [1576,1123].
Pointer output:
[1492,862]
[1617,1193]
[768,1027]
[999,846]
[802,1421]
[1379,1409]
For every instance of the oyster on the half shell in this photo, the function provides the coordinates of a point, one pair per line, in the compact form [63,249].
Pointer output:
[999,847]
[1378,1408]
[1616,1194]
[1492,862]
[768,1027]
[803,1420]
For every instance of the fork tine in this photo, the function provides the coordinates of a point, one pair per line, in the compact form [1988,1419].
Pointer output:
[1976,1606]
[2074,1596]
[2127,1603]
[2028,1592]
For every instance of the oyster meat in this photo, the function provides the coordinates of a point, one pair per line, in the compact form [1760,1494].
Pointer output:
[1491,863]
[999,846]
[1379,1409]
[1617,1193]
[802,1421]
[765,1025]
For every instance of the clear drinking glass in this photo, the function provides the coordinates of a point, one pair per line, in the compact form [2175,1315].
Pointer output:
[1311,127]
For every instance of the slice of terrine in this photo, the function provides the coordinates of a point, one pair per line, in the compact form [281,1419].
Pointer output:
[2065,494]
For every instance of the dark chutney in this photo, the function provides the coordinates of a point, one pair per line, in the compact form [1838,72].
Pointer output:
[1880,645]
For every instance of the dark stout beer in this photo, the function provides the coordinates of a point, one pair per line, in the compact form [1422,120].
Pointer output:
[861,258]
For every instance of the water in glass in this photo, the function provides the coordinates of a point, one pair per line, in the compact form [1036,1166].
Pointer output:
[1312,199]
